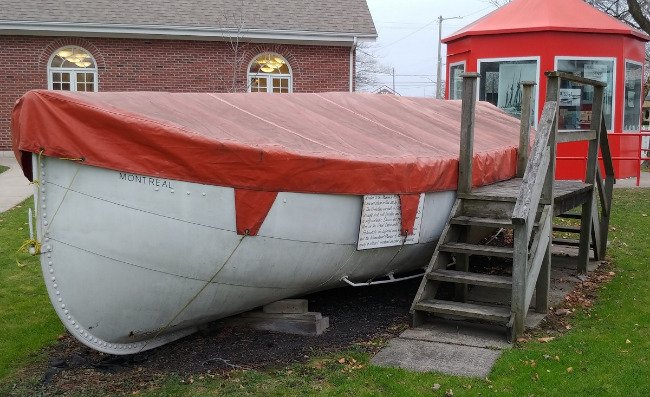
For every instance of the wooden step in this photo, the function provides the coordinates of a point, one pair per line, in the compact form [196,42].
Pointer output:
[486,280]
[567,229]
[566,241]
[473,249]
[487,196]
[569,215]
[465,310]
[482,222]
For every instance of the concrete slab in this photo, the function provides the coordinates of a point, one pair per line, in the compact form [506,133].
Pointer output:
[425,356]
[14,187]
[643,182]
[470,349]
[310,323]
[287,306]
[460,333]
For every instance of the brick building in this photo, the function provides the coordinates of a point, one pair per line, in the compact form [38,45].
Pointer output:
[161,45]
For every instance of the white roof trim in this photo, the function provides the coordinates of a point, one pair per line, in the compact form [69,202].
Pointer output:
[175,32]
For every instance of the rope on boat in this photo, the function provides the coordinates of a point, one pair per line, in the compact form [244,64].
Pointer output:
[32,245]
[67,189]
[169,323]
[35,180]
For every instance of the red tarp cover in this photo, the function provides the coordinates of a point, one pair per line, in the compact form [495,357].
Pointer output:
[341,143]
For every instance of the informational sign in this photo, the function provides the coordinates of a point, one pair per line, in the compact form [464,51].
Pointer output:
[570,96]
[381,222]
[596,71]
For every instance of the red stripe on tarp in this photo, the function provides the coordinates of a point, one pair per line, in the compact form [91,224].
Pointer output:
[251,208]
[409,207]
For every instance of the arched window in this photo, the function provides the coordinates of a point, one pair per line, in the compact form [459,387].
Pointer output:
[72,69]
[269,72]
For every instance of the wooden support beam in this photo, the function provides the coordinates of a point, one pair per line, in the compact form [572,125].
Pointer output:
[462,265]
[524,128]
[519,273]
[552,95]
[587,220]
[576,136]
[609,186]
[576,79]
[468,112]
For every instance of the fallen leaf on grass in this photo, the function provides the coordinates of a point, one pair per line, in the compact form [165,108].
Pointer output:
[628,341]
[569,370]
[342,360]
[449,393]
[562,312]
[436,386]
[546,339]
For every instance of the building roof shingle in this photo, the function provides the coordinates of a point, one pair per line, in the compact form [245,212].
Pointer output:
[333,17]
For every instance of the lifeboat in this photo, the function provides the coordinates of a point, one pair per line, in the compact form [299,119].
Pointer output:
[159,212]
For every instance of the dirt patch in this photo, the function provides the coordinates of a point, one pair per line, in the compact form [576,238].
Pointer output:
[357,316]
[582,297]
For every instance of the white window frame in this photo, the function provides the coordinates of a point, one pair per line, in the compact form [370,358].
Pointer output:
[73,71]
[269,76]
[614,75]
[451,65]
[642,99]
[538,61]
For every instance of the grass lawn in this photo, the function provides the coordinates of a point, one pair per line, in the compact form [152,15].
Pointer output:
[28,321]
[606,353]
[3,168]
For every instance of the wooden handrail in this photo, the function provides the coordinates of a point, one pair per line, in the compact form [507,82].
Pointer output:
[576,79]
[536,168]
[524,126]
[531,260]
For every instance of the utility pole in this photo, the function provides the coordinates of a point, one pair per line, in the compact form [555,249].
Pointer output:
[438,80]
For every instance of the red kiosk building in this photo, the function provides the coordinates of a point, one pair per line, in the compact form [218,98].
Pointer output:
[525,38]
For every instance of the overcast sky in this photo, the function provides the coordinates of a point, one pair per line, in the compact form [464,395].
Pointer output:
[408,37]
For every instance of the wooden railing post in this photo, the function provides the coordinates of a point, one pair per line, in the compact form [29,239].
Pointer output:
[610,180]
[552,94]
[524,128]
[543,284]
[465,162]
[519,277]
[467,133]
[586,221]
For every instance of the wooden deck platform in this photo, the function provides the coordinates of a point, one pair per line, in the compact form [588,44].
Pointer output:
[567,194]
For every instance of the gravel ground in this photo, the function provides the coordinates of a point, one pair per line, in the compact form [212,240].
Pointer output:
[357,315]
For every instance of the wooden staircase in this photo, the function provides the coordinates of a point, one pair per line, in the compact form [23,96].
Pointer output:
[525,206]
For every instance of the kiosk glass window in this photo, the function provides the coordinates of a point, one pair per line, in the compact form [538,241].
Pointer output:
[576,100]
[632,98]
[500,83]
[456,82]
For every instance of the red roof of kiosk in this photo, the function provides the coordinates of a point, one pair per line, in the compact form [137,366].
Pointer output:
[321,143]
[546,15]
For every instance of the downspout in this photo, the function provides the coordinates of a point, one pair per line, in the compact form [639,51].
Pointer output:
[352,51]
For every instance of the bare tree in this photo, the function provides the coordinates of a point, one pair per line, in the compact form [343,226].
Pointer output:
[234,23]
[367,68]
[635,13]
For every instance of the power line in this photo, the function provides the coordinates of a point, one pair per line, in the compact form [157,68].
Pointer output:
[426,26]
[408,35]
